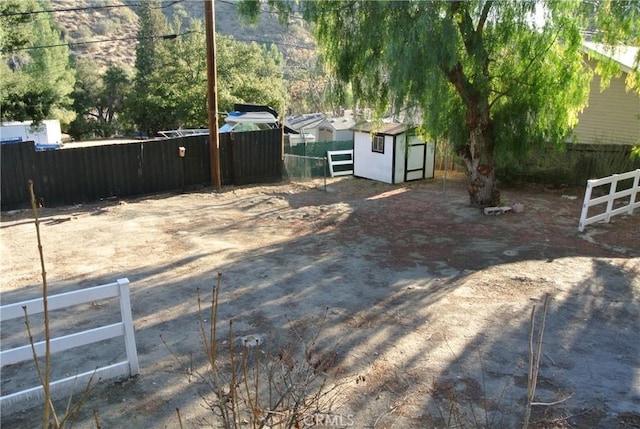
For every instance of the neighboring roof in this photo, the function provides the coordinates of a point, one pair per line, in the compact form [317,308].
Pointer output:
[309,120]
[623,55]
[340,123]
[389,128]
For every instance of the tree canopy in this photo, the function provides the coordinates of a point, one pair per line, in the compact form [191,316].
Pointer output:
[145,106]
[491,76]
[170,86]
[98,100]
[37,78]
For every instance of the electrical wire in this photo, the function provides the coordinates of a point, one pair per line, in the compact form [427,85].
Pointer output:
[162,37]
[77,9]
[168,36]
[73,44]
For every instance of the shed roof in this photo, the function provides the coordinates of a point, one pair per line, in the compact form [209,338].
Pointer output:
[388,128]
[305,121]
[339,123]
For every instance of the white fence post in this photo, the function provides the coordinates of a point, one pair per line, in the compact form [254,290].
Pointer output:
[636,186]
[127,320]
[585,205]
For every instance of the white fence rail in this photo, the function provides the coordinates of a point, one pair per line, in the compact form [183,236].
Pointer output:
[614,195]
[343,157]
[124,328]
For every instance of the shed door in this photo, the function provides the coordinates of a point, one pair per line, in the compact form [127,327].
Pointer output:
[415,161]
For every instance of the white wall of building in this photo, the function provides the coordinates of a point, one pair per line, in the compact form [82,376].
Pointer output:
[369,164]
[47,132]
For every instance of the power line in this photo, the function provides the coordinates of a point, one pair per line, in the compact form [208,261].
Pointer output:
[76,9]
[163,37]
[72,44]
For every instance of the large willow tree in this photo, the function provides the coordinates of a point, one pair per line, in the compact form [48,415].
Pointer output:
[489,75]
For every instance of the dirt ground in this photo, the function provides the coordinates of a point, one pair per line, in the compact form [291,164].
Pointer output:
[428,301]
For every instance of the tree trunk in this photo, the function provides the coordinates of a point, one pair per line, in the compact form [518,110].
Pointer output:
[479,156]
[479,153]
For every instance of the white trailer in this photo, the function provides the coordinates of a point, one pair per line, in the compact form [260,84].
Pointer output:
[46,135]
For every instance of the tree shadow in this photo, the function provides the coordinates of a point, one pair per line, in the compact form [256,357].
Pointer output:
[397,270]
[590,358]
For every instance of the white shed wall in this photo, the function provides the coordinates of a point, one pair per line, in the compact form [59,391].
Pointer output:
[381,167]
[368,164]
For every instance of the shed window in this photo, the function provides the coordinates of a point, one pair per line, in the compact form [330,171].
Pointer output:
[377,144]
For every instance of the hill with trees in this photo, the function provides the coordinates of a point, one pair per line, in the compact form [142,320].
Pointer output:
[106,31]
[109,69]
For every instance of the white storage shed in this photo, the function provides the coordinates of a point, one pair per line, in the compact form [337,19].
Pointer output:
[391,153]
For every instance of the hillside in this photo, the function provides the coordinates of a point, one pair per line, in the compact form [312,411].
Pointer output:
[106,30]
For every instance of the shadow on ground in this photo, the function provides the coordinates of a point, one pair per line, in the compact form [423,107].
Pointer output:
[427,301]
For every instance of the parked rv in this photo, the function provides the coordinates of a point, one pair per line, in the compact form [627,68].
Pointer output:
[46,135]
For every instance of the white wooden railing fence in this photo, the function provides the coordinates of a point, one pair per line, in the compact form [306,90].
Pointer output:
[340,157]
[627,206]
[124,328]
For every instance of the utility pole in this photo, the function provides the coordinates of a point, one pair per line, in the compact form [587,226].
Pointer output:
[212,94]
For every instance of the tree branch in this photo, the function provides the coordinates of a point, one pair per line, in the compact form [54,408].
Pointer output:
[458,79]
[483,16]
[516,80]
[465,25]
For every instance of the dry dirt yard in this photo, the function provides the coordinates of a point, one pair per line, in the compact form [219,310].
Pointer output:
[428,302]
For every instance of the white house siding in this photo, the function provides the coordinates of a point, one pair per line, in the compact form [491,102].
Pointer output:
[372,165]
[612,116]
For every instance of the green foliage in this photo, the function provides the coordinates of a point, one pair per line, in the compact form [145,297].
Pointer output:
[248,73]
[141,106]
[14,26]
[572,165]
[37,81]
[486,74]
[171,86]
[98,100]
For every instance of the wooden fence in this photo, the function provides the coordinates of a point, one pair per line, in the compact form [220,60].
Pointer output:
[627,199]
[124,329]
[87,174]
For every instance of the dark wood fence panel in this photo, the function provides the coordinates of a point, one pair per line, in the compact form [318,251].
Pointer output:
[226,159]
[197,162]
[14,171]
[85,174]
[256,157]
